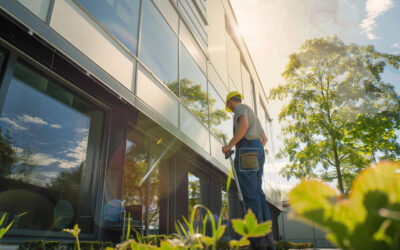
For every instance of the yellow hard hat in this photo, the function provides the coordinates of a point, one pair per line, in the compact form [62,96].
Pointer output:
[229,96]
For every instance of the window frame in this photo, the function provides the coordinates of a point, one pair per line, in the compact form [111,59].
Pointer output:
[15,56]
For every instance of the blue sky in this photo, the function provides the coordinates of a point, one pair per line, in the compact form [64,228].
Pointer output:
[273,29]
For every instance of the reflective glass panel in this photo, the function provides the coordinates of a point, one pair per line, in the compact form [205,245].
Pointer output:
[47,149]
[194,196]
[145,152]
[247,87]
[193,87]
[233,55]
[120,17]
[225,215]
[2,59]
[159,46]
[220,120]
[38,7]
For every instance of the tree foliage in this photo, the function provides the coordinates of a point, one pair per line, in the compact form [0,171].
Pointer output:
[341,115]
[201,104]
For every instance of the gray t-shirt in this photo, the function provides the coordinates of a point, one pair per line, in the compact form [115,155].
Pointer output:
[255,130]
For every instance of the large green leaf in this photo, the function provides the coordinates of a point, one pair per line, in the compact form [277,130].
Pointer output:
[366,220]
[249,226]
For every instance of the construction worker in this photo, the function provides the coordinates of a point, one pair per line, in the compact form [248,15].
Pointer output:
[249,139]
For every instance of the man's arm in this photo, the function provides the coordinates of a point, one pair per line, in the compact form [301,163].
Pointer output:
[264,139]
[240,132]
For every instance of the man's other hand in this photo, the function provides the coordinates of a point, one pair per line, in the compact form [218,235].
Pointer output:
[226,149]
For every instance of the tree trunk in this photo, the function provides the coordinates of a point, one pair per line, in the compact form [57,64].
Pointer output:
[337,166]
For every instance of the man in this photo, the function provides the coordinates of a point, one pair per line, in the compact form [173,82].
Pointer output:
[249,139]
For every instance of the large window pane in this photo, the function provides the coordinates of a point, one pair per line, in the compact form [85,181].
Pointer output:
[145,152]
[194,197]
[2,59]
[120,17]
[247,87]
[220,120]
[159,46]
[193,87]
[38,7]
[233,55]
[47,149]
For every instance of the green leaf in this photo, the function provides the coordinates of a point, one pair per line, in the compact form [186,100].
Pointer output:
[239,226]
[250,220]
[208,241]
[261,230]
[2,219]
[228,182]
[368,219]
[241,243]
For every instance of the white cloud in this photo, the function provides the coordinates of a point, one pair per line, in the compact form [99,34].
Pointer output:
[25,118]
[43,159]
[82,130]
[374,9]
[55,126]
[14,124]
[396,46]
[79,151]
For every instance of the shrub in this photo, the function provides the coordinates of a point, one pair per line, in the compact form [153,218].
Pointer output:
[58,245]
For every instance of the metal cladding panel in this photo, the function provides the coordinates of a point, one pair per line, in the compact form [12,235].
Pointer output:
[74,25]
[194,129]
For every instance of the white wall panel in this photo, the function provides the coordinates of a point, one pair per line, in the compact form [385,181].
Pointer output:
[194,129]
[157,97]
[81,31]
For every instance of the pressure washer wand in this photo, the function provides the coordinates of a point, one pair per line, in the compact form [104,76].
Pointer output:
[229,155]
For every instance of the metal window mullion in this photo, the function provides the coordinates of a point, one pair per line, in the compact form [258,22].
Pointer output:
[49,12]
[139,37]
[9,65]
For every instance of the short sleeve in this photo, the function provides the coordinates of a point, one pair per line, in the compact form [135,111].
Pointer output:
[239,111]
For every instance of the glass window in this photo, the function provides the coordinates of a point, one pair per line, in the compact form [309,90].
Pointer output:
[169,12]
[141,189]
[2,59]
[194,197]
[247,87]
[225,215]
[192,46]
[120,17]
[220,120]
[159,46]
[47,149]
[233,55]
[193,87]
[38,7]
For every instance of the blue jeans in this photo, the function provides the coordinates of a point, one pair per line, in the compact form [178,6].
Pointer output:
[250,175]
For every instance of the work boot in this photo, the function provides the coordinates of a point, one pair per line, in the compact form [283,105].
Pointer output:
[270,242]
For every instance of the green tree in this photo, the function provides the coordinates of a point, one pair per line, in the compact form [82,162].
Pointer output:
[341,116]
[8,155]
[200,103]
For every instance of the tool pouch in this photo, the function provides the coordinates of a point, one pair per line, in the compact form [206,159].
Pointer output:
[248,159]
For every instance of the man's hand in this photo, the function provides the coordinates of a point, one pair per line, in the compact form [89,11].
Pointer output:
[226,149]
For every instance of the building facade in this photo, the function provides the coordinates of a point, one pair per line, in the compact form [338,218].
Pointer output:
[116,107]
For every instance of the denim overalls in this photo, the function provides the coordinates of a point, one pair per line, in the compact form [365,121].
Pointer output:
[249,163]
